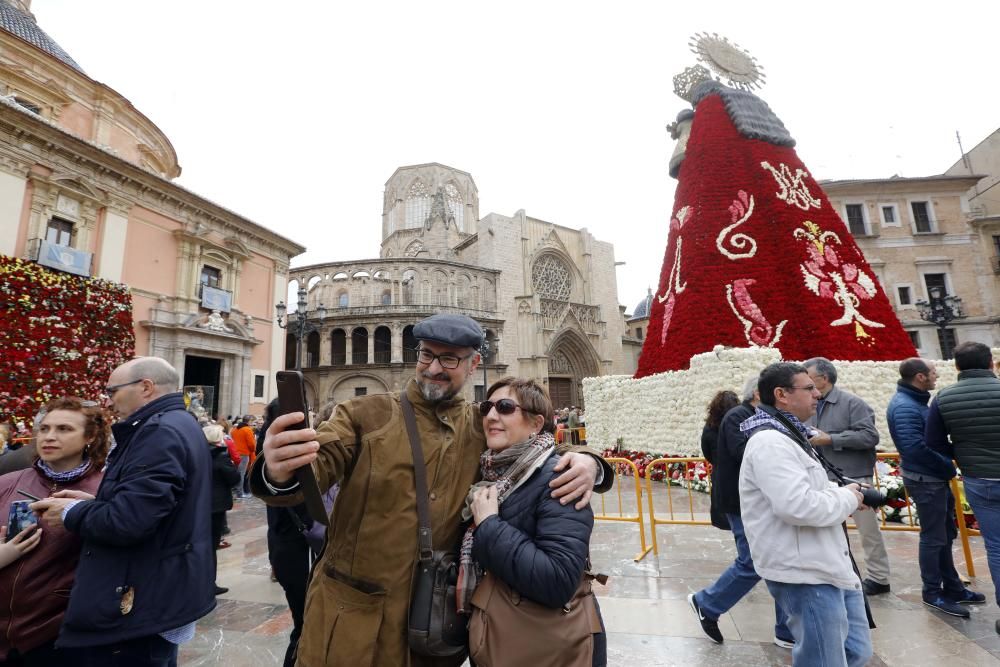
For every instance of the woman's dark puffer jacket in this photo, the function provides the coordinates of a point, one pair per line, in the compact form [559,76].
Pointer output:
[224,477]
[536,546]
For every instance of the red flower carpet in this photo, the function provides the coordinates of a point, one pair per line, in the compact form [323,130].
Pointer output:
[61,335]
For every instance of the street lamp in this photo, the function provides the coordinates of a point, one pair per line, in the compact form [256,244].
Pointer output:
[484,351]
[940,310]
[301,326]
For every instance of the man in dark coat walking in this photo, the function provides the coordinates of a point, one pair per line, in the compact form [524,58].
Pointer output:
[145,574]
[739,578]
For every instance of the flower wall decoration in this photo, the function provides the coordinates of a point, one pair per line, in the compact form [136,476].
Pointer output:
[60,335]
[666,412]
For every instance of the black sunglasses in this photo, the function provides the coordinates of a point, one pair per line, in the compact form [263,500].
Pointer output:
[504,406]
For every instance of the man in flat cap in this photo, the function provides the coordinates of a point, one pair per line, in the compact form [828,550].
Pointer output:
[359,596]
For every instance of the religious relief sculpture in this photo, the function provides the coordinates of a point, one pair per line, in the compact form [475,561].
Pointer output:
[214,322]
[559,365]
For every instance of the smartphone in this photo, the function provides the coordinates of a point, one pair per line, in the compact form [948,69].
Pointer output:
[292,398]
[19,518]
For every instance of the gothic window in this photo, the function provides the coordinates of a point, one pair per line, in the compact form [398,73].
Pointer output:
[418,204]
[414,248]
[455,203]
[551,279]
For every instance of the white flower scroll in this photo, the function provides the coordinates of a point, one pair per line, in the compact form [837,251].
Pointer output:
[743,246]
[674,285]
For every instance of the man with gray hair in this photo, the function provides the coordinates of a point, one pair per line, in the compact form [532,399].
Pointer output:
[739,578]
[145,574]
[847,438]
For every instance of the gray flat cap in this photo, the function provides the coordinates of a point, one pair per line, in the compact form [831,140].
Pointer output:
[454,330]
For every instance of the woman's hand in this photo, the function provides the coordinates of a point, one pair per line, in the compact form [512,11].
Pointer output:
[22,543]
[484,503]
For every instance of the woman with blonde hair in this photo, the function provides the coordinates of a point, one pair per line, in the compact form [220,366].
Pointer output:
[524,560]
[72,441]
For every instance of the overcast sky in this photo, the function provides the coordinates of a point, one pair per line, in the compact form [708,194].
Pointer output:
[295,113]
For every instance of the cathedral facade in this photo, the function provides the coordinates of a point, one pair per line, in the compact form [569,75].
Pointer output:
[545,294]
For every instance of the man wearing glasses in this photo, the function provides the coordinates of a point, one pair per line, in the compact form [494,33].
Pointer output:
[848,437]
[793,519]
[360,592]
[145,574]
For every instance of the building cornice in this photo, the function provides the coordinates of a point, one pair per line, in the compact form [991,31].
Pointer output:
[35,140]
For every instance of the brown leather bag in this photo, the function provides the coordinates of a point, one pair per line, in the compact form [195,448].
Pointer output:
[508,629]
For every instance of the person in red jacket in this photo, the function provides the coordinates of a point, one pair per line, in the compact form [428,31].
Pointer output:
[245,444]
[73,438]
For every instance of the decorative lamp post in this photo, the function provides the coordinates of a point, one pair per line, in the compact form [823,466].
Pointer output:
[484,351]
[941,310]
[301,326]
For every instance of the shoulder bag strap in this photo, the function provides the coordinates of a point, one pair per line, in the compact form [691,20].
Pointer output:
[420,474]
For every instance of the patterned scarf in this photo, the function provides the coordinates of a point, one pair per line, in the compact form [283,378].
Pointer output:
[62,477]
[503,469]
[761,418]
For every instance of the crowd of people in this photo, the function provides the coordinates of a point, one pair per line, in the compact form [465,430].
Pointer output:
[121,508]
[117,510]
[794,457]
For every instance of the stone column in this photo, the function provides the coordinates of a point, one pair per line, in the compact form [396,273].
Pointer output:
[348,347]
[325,348]
[371,345]
[397,343]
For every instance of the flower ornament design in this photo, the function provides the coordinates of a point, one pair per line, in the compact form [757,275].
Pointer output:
[674,285]
[793,191]
[744,246]
[828,277]
[757,329]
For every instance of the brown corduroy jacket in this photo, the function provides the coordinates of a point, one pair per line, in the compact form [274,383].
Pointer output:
[358,600]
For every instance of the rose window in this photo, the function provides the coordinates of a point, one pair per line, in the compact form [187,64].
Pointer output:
[551,279]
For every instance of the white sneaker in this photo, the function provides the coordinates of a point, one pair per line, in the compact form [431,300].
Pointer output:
[784,643]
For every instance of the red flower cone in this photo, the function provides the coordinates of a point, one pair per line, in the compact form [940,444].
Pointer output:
[756,256]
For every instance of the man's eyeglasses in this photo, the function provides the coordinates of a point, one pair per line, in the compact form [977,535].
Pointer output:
[810,388]
[449,361]
[111,389]
[504,406]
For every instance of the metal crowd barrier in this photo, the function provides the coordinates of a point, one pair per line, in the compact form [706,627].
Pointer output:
[690,461]
[653,519]
[621,515]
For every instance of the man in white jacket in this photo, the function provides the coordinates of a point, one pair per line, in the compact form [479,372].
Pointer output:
[793,517]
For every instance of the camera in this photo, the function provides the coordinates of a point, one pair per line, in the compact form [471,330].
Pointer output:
[870,497]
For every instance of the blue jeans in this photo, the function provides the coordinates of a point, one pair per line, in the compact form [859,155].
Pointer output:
[738,579]
[984,498]
[936,509]
[829,624]
[149,651]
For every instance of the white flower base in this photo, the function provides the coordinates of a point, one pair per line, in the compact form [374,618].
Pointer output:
[666,412]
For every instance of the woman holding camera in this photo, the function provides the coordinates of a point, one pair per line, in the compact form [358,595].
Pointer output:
[523,565]
[72,443]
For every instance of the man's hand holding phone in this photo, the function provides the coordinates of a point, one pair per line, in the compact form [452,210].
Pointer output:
[287,451]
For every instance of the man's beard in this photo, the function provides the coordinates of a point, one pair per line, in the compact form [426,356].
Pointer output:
[433,392]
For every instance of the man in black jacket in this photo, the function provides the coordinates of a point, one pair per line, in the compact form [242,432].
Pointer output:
[739,578]
[145,575]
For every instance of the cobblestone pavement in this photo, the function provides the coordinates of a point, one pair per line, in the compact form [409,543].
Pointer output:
[644,606]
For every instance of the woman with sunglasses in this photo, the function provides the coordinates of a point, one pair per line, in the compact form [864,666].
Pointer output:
[72,440]
[525,545]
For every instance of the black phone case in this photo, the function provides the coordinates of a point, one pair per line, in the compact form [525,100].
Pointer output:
[292,398]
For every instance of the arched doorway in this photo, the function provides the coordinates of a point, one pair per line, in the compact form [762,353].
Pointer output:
[571,358]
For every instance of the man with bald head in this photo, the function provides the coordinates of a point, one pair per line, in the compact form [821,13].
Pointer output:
[145,574]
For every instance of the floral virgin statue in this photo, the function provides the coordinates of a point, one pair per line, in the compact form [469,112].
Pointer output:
[756,256]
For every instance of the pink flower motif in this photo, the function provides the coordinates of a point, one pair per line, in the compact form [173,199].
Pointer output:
[756,327]
[668,313]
